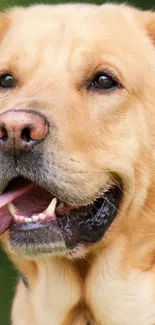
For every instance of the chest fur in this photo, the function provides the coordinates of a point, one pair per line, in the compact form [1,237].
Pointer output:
[110,298]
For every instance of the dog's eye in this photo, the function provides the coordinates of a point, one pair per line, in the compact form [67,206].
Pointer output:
[6,81]
[104,82]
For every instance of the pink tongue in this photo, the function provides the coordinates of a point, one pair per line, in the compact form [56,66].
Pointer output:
[9,196]
[13,194]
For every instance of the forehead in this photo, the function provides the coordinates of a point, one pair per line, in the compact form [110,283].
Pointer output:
[64,34]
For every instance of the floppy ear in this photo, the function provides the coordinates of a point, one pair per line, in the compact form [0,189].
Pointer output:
[4,23]
[148,18]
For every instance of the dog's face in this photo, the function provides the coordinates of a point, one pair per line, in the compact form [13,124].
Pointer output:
[76,111]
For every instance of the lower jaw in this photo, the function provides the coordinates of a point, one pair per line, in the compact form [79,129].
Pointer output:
[69,235]
[45,238]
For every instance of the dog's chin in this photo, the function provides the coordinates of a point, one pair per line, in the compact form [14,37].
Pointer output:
[39,223]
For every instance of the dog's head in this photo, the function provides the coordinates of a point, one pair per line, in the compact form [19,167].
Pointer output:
[76,124]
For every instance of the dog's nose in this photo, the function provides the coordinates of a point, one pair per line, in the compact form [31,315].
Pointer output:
[21,129]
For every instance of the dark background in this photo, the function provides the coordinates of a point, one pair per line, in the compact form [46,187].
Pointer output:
[8,276]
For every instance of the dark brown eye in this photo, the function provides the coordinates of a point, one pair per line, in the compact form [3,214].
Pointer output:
[104,82]
[6,81]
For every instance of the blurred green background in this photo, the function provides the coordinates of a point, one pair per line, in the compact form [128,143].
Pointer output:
[141,3]
[8,276]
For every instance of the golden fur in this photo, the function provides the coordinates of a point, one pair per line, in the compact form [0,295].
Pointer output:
[50,51]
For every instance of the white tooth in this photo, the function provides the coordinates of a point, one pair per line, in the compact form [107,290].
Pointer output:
[42,216]
[35,218]
[21,218]
[12,209]
[28,220]
[16,218]
[51,208]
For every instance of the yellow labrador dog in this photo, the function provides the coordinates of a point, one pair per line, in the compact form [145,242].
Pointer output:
[77,163]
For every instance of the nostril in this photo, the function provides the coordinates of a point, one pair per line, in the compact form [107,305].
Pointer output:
[26,134]
[21,129]
[3,134]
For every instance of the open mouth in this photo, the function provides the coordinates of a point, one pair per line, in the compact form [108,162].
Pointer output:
[38,219]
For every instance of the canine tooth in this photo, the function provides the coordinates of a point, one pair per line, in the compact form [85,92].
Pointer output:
[16,218]
[28,220]
[42,216]
[51,208]
[12,209]
[35,218]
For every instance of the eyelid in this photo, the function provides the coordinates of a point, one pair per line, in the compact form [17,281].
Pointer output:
[109,73]
[5,72]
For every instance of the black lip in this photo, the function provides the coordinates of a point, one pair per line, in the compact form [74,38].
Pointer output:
[93,221]
[36,237]
[87,225]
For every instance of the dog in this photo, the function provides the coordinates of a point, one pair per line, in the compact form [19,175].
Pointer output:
[77,158]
